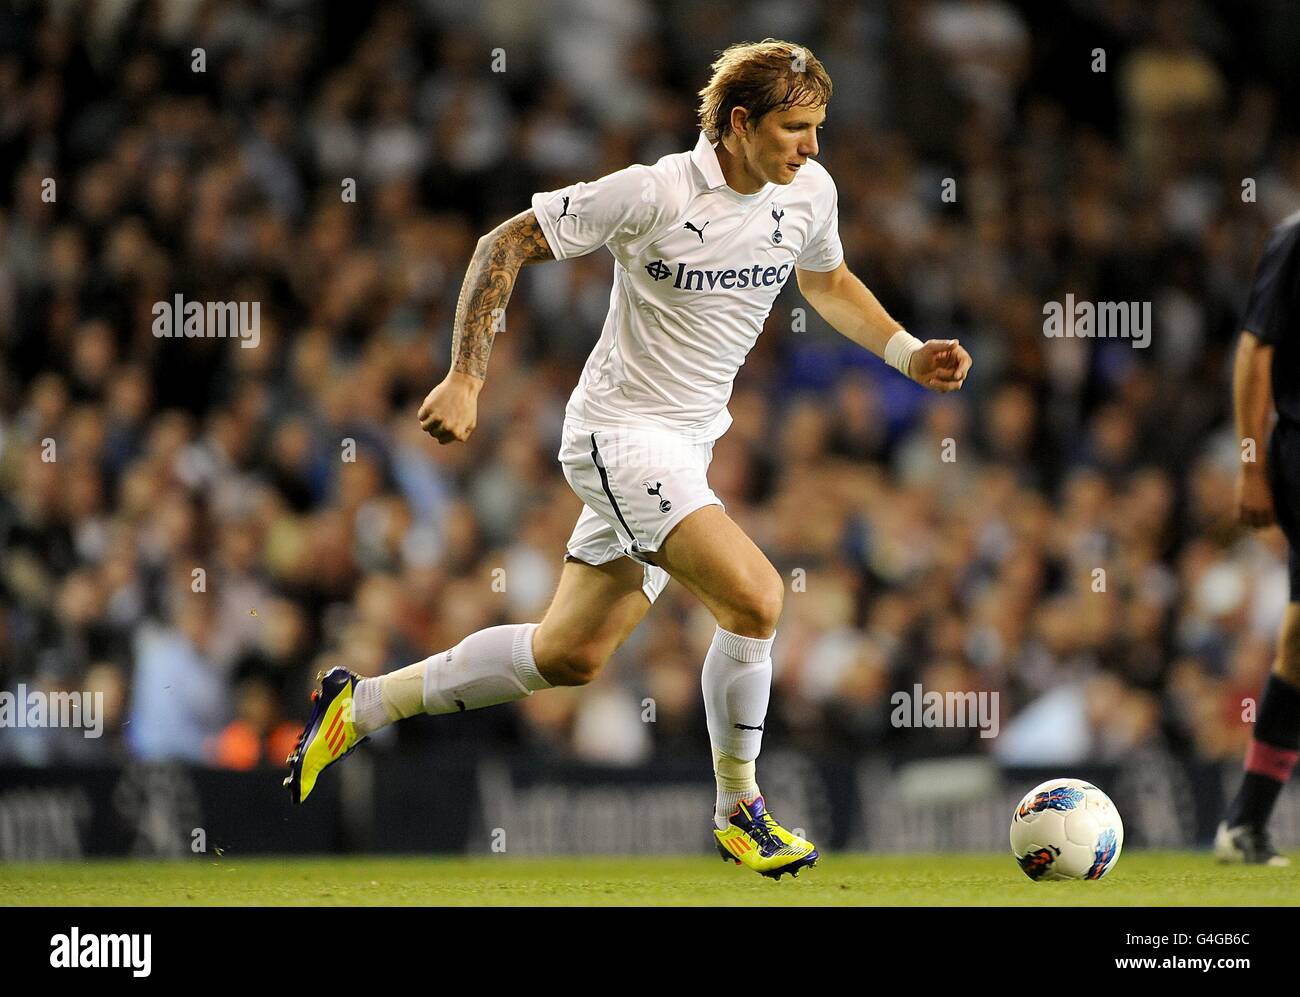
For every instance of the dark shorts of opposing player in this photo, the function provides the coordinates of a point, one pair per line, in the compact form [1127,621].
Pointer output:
[1284,482]
[636,485]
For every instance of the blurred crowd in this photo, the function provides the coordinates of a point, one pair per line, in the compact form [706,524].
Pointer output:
[194,529]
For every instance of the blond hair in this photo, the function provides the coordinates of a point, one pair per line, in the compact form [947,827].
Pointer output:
[761,77]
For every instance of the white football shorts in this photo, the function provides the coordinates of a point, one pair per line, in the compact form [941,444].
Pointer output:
[637,485]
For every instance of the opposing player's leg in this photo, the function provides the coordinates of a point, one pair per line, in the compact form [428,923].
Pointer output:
[718,563]
[594,609]
[1274,747]
[1275,742]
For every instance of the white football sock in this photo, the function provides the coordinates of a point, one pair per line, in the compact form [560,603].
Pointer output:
[489,667]
[737,682]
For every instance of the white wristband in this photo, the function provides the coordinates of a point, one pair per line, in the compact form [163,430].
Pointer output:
[899,350]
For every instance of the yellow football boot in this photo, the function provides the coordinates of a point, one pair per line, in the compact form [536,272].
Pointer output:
[754,838]
[329,736]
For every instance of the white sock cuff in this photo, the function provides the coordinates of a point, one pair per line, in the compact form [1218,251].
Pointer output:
[747,649]
[368,711]
[522,659]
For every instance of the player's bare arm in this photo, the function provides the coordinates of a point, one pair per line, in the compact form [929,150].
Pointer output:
[450,411]
[1252,402]
[854,312]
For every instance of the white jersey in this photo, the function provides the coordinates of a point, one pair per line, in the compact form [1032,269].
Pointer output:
[697,268]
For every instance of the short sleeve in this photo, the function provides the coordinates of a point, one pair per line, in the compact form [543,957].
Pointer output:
[825,252]
[1273,293]
[613,210]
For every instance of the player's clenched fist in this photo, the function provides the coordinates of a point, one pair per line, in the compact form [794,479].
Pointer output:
[940,365]
[450,411]
[1254,499]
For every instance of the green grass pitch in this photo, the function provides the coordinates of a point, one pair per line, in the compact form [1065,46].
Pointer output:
[1140,879]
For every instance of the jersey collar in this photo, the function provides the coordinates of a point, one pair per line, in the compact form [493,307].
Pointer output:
[705,158]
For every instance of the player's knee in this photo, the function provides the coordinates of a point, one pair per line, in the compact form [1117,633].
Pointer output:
[576,665]
[1288,651]
[756,610]
[1287,663]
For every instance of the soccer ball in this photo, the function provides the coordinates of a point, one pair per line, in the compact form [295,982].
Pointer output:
[1066,829]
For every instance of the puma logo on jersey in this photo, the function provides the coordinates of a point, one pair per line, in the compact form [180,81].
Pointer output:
[664,504]
[698,231]
[564,210]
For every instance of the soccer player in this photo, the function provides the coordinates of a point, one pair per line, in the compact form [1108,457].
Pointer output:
[1266,375]
[703,241]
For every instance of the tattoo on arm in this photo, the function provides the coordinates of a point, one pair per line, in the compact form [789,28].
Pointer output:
[489,281]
